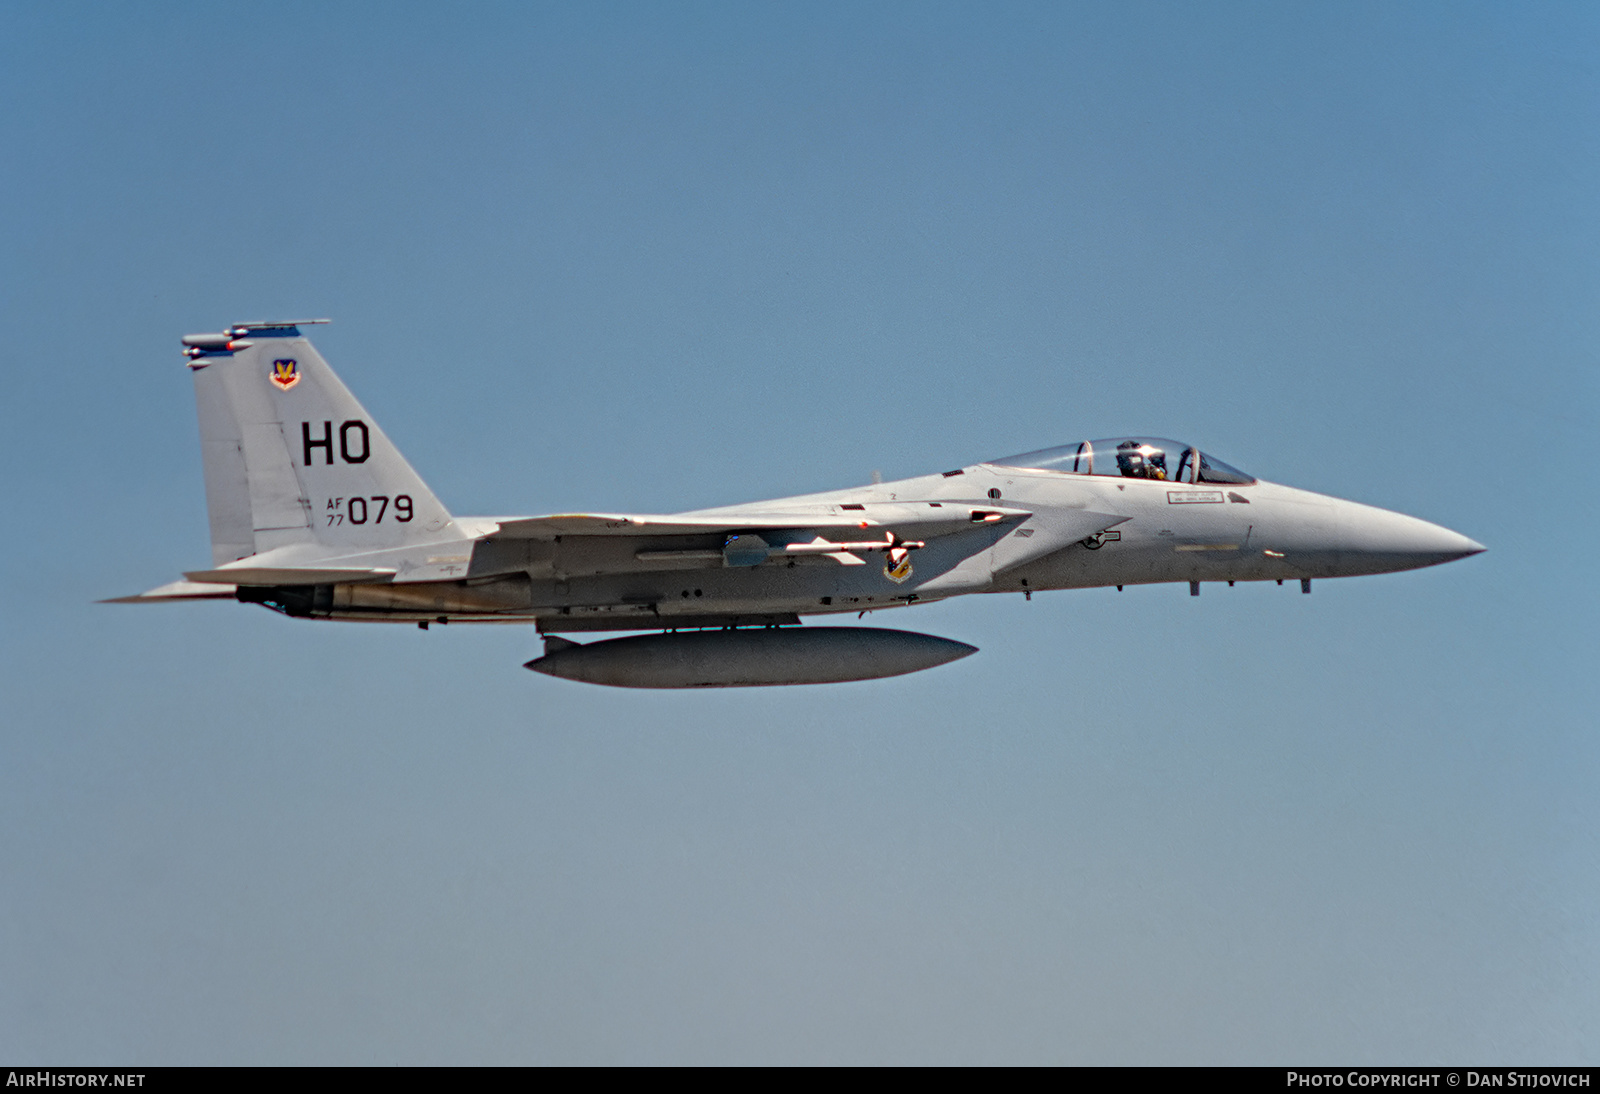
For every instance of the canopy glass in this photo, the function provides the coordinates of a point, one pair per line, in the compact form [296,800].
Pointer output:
[1132,458]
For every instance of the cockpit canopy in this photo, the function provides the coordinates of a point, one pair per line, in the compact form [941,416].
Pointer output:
[1132,458]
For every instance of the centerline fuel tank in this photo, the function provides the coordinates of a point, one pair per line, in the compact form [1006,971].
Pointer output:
[748,657]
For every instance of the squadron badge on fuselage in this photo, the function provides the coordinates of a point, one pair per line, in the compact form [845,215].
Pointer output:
[285,373]
[897,567]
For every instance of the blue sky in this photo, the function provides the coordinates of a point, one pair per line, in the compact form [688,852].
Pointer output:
[653,257]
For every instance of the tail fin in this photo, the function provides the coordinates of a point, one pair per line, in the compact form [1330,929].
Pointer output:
[291,457]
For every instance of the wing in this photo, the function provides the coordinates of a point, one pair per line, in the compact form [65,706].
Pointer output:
[633,524]
[906,520]
[574,544]
[570,544]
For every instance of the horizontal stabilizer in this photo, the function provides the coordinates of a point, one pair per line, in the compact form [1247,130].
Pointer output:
[178,590]
[266,575]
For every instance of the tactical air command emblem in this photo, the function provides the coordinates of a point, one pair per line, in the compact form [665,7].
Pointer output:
[285,373]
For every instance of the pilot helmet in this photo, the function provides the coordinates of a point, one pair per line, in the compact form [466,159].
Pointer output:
[1141,461]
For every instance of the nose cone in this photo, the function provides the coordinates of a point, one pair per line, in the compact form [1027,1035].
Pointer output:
[1378,541]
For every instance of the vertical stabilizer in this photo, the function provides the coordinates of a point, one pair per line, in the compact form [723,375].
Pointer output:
[291,457]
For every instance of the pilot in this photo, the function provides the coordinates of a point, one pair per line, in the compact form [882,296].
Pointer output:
[1141,461]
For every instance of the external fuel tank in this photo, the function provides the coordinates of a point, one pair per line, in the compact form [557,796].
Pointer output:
[748,657]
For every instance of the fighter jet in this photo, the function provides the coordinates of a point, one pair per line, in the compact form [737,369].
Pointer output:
[315,514]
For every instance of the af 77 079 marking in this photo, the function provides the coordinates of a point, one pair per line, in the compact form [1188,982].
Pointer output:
[284,442]
[340,509]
